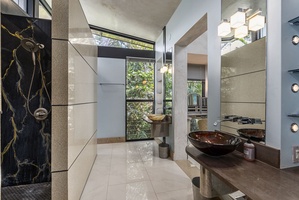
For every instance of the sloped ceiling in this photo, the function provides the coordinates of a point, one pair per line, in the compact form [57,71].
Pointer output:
[140,18]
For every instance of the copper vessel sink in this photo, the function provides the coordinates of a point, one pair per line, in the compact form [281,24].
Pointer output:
[214,143]
[252,133]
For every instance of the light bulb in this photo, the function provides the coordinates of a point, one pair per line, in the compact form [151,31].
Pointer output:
[295,40]
[295,88]
[294,127]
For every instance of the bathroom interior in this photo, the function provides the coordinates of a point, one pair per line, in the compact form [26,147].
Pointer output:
[51,72]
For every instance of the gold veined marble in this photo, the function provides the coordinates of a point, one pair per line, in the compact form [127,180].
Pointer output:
[25,141]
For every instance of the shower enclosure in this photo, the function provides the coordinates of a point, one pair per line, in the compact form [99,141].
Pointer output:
[26,105]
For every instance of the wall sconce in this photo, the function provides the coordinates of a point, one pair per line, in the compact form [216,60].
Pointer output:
[170,70]
[241,32]
[295,40]
[295,88]
[256,23]
[224,28]
[238,19]
[166,68]
[294,127]
[163,69]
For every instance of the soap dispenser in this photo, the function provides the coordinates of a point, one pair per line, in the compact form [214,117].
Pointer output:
[249,150]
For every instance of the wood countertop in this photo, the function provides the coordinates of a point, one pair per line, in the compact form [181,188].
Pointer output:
[257,180]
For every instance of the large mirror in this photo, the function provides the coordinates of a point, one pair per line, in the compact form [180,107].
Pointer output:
[243,70]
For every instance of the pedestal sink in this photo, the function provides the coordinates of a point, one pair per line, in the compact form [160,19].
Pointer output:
[214,143]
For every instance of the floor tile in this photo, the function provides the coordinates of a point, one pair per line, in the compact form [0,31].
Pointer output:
[128,172]
[170,185]
[132,191]
[185,194]
[134,171]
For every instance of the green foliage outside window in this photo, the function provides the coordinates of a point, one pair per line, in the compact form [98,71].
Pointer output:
[140,80]
[140,88]
[111,40]
[195,87]
[168,93]
[168,85]
[137,128]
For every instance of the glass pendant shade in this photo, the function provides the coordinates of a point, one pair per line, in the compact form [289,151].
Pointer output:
[224,29]
[257,23]
[163,69]
[241,32]
[237,19]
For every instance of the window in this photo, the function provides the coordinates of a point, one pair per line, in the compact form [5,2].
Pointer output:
[22,4]
[196,86]
[139,97]
[112,40]
[167,93]
[36,8]
[43,13]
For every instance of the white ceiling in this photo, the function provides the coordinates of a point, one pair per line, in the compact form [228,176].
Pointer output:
[140,18]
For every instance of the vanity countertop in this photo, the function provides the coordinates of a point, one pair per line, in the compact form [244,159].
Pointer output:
[259,181]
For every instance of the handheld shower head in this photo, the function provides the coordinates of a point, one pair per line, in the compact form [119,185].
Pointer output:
[30,45]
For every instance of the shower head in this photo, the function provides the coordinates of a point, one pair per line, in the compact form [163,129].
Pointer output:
[31,45]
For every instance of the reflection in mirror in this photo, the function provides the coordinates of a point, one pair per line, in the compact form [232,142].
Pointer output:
[167,83]
[243,72]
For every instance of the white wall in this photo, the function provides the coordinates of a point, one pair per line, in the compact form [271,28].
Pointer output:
[111,98]
[273,85]
[196,72]
[159,48]
[74,100]
[282,56]
[186,15]
[289,100]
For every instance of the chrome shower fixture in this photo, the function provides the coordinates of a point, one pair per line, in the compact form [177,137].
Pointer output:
[31,45]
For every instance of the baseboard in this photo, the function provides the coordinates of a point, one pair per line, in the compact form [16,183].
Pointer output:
[111,140]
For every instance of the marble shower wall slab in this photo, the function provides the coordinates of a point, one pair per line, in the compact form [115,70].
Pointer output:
[25,141]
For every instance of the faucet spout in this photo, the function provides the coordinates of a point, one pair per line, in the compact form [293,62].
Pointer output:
[239,119]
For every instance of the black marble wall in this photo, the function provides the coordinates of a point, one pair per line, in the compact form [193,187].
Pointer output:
[25,141]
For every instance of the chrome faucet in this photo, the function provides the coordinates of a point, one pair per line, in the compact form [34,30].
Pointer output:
[231,118]
[239,119]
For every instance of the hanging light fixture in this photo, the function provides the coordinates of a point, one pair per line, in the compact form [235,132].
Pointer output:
[239,22]
[241,32]
[256,23]
[224,28]
[170,69]
[163,69]
[238,19]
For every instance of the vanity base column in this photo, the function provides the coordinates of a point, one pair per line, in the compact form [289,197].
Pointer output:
[206,186]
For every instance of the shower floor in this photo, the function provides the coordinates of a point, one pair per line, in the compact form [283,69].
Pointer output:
[35,191]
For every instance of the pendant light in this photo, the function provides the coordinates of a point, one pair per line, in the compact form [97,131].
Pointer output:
[256,23]
[238,19]
[241,32]
[224,28]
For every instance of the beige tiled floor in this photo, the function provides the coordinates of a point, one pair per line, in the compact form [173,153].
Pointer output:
[134,171]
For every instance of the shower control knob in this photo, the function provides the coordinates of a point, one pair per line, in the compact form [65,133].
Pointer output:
[41,114]
[41,46]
